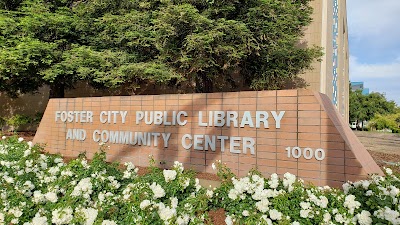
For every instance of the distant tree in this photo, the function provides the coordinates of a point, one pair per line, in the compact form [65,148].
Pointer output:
[397,119]
[391,121]
[366,107]
[203,45]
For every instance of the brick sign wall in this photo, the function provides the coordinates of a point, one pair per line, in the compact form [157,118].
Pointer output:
[297,131]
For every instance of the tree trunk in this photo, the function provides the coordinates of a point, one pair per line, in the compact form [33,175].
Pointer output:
[57,90]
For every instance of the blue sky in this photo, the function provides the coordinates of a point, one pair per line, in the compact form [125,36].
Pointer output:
[374,41]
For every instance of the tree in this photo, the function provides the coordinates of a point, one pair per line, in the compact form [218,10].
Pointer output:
[55,43]
[391,121]
[366,107]
[357,111]
[204,45]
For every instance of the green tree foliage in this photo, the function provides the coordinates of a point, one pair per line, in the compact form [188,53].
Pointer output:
[366,107]
[380,122]
[204,45]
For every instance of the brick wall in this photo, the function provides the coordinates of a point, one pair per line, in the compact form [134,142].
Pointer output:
[310,122]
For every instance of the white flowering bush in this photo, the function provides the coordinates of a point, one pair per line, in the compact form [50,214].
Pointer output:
[379,197]
[170,196]
[41,189]
[257,200]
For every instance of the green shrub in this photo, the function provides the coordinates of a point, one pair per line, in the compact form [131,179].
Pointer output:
[380,122]
[18,120]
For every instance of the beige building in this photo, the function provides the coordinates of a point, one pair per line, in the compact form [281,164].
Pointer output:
[330,76]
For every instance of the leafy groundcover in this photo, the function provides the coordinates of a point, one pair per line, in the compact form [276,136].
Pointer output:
[39,188]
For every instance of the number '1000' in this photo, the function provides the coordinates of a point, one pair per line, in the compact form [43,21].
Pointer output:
[307,153]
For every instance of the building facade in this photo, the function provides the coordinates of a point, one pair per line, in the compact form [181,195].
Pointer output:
[331,75]
[359,86]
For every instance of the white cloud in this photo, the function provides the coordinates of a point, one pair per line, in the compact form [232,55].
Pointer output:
[374,31]
[383,78]
[374,71]
[374,18]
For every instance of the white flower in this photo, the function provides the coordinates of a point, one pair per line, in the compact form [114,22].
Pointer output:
[130,171]
[233,194]
[90,215]
[174,202]
[183,220]
[289,179]
[245,213]
[8,179]
[197,184]
[266,219]
[295,223]
[351,203]
[84,187]
[388,171]
[262,205]
[84,163]
[304,213]
[274,182]
[275,214]
[108,222]
[165,212]
[27,152]
[51,197]
[209,193]
[185,182]
[54,170]
[228,220]
[158,191]
[339,218]
[364,218]
[29,185]
[305,205]
[62,216]
[58,160]
[20,139]
[169,175]
[388,214]
[43,165]
[327,217]
[144,204]
[346,187]
[29,163]
[394,191]
[365,184]
[178,166]
[39,220]
[4,137]
[322,201]
[16,212]
[30,144]
[66,172]
[38,197]
[115,184]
